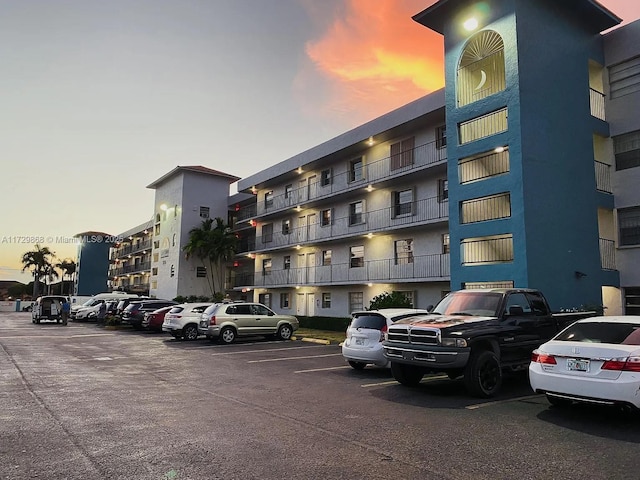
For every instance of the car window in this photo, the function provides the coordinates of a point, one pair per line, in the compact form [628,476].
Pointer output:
[176,310]
[538,305]
[368,320]
[602,332]
[243,310]
[260,310]
[518,300]
[199,309]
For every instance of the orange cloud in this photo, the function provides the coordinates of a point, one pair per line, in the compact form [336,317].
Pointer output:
[373,58]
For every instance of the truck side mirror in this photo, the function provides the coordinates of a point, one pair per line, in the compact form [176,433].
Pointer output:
[429,308]
[516,310]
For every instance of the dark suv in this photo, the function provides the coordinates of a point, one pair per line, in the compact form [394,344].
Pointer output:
[134,313]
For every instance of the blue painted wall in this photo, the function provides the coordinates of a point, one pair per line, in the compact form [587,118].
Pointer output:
[93,268]
[551,181]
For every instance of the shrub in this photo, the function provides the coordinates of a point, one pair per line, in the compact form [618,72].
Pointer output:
[332,324]
[390,300]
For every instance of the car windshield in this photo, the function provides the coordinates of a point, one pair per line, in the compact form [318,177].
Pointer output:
[602,332]
[469,303]
[91,302]
[368,320]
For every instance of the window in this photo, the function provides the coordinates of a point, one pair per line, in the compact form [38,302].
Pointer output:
[481,71]
[157,230]
[285,299]
[265,299]
[624,78]
[446,247]
[286,227]
[402,153]
[357,256]
[325,217]
[629,226]
[443,190]
[403,251]
[173,239]
[172,271]
[154,271]
[356,301]
[326,177]
[204,212]
[441,136]
[156,244]
[175,211]
[518,300]
[356,170]
[355,213]
[201,272]
[627,150]
[287,262]
[326,300]
[266,266]
[326,257]
[288,191]
[268,199]
[632,301]
[267,233]
[403,202]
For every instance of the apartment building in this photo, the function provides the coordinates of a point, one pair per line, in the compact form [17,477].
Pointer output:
[184,198]
[130,260]
[520,172]
[92,265]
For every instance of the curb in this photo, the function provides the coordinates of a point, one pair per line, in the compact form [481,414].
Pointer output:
[312,340]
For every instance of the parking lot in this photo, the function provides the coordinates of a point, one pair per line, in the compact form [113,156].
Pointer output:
[83,402]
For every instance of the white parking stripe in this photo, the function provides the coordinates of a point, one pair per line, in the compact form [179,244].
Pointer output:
[239,352]
[322,369]
[498,402]
[293,358]
[391,382]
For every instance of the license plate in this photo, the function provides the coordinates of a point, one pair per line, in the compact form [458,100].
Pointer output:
[359,341]
[576,365]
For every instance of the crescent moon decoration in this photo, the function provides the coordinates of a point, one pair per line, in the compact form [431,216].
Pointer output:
[483,80]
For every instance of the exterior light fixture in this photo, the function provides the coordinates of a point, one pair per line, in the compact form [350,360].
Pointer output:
[298,208]
[369,188]
[299,170]
[369,284]
[254,190]
[298,247]
[470,24]
[370,142]
[163,207]
[297,287]
[499,149]
[369,235]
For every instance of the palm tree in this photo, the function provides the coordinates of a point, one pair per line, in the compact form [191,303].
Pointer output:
[39,262]
[214,246]
[68,268]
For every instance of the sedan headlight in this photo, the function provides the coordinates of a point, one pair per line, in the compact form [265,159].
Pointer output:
[453,342]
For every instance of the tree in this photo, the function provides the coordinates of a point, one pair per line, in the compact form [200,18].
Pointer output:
[214,246]
[68,268]
[39,262]
[390,300]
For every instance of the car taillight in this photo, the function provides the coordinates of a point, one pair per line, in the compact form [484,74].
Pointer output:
[539,357]
[630,364]
[383,334]
[212,320]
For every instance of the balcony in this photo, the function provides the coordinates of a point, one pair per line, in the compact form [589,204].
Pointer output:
[131,269]
[424,211]
[603,177]
[421,157]
[130,249]
[422,268]
[596,99]
[607,254]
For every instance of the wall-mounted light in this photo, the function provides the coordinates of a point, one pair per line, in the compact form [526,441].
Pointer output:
[369,235]
[297,287]
[298,247]
[163,207]
[369,188]
[499,149]
[370,142]
[470,24]
[299,170]
[254,190]
[369,284]
[298,208]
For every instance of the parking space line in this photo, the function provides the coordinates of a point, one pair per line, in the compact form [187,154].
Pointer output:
[498,402]
[322,369]
[265,350]
[294,358]
[392,382]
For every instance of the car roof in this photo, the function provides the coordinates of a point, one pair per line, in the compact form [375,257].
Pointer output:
[392,312]
[612,319]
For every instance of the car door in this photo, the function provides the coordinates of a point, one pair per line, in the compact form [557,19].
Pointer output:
[242,318]
[519,335]
[268,320]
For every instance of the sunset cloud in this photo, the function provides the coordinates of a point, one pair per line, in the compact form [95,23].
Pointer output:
[373,58]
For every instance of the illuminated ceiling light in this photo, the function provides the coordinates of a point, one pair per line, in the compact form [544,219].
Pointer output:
[298,247]
[298,208]
[470,25]
[370,142]
[163,207]
[146,231]
[369,235]
[254,190]
[499,149]
[369,188]
[299,170]
[297,287]
[369,284]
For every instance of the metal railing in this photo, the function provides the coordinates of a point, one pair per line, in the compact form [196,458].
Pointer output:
[603,177]
[421,211]
[130,249]
[422,268]
[596,99]
[607,254]
[373,172]
[129,269]
[478,251]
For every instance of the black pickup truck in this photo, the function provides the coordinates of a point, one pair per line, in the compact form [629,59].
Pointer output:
[475,334]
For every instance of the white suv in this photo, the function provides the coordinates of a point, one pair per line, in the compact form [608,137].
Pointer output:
[182,320]
[226,321]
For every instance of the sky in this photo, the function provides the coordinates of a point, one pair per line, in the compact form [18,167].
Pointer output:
[100,98]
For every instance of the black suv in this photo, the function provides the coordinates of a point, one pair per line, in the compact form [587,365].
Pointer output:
[134,313]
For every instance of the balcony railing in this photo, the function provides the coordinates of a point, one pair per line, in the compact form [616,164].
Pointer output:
[373,172]
[597,104]
[421,211]
[130,269]
[603,177]
[607,254]
[130,249]
[422,268]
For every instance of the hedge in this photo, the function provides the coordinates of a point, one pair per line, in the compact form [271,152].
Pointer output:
[332,324]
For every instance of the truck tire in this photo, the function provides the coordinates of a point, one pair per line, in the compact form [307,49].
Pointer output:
[407,375]
[483,375]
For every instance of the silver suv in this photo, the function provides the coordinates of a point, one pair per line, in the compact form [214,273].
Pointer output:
[227,321]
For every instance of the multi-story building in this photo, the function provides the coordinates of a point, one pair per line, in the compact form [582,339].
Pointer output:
[520,172]
[130,260]
[184,198]
[92,266]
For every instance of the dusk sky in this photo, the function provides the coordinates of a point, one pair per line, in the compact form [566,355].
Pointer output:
[100,98]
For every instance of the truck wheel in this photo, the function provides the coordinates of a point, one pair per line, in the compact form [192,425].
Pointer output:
[357,365]
[407,375]
[483,375]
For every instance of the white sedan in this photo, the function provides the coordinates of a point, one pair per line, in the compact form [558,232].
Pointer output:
[595,360]
[366,332]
